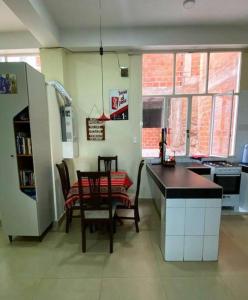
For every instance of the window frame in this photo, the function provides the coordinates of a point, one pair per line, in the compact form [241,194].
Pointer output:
[5,56]
[233,129]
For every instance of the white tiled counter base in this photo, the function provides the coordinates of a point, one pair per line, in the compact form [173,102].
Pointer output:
[190,229]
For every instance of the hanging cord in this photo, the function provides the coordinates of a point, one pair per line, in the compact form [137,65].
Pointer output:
[118,60]
[101,48]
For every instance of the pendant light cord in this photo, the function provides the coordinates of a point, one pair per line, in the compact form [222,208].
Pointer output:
[101,48]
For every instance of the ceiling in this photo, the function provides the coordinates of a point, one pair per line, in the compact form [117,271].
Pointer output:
[136,13]
[136,24]
[8,20]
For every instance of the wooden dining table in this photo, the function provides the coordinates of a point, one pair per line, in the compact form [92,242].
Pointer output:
[120,183]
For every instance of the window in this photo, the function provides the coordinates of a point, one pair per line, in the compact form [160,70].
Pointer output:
[190,73]
[193,95]
[32,59]
[158,74]
[152,123]
[200,125]
[177,125]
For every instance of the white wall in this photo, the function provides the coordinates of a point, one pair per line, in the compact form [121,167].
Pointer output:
[81,76]
[56,150]
[84,83]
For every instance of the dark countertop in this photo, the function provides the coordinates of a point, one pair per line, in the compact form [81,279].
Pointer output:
[183,182]
[244,167]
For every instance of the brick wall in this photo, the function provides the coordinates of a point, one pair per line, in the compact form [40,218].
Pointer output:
[190,78]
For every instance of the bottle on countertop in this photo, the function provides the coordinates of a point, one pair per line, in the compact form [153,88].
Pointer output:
[162,145]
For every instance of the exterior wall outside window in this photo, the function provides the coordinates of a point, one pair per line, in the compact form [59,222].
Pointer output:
[192,77]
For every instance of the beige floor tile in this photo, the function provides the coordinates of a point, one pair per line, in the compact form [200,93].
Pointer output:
[129,263]
[238,285]
[132,289]
[180,269]
[17,288]
[70,262]
[136,269]
[26,262]
[65,289]
[132,257]
[193,288]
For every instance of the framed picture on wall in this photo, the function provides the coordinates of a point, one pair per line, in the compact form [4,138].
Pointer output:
[95,130]
[118,104]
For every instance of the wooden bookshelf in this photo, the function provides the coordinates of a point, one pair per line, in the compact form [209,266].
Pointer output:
[24,150]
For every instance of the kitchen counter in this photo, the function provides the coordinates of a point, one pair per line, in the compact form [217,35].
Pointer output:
[190,209]
[244,167]
[184,181]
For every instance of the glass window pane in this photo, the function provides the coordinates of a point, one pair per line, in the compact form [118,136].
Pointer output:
[191,73]
[157,74]
[222,120]
[234,125]
[177,125]
[152,123]
[32,60]
[224,70]
[200,125]
[14,58]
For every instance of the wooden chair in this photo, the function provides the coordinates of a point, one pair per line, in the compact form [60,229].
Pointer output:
[65,184]
[107,160]
[95,209]
[134,201]
[67,173]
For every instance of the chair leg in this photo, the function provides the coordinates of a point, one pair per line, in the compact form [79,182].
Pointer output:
[68,213]
[136,220]
[138,214]
[83,238]
[71,213]
[114,224]
[92,228]
[111,237]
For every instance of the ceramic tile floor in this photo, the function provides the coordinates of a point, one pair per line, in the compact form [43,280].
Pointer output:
[56,268]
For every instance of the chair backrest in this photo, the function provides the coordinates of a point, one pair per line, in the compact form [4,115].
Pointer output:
[107,160]
[67,173]
[95,191]
[138,181]
[63,179]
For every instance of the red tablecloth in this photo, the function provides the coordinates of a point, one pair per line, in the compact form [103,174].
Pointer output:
[120,182]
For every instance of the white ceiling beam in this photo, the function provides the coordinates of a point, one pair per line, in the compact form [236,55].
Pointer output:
[18,40]
[156,38]
[35,16]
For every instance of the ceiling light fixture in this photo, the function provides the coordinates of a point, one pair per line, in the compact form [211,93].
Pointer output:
[103,117]
[188,4]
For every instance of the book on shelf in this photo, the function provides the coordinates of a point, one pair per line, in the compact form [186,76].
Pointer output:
[23,144]
[27,178]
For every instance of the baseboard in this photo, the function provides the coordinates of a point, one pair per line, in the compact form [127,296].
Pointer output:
[57,223]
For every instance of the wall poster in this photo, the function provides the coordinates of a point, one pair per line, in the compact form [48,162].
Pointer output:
[118,104]
[8,84]
[95,130]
